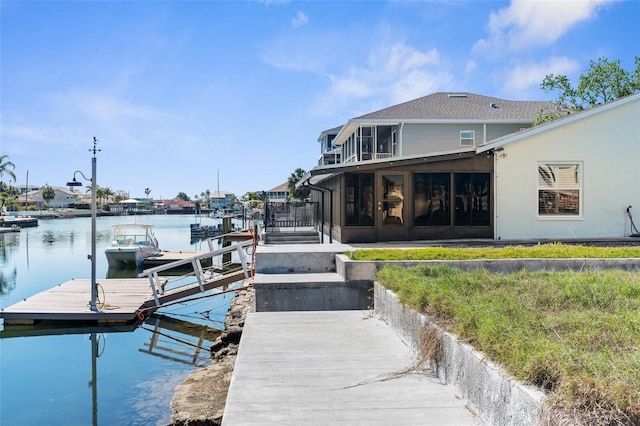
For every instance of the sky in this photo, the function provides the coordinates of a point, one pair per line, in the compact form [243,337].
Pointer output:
[190,96]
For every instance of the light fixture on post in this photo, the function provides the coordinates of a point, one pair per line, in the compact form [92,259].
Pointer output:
[92,256]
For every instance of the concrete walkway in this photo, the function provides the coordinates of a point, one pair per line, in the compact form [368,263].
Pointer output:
[333,367]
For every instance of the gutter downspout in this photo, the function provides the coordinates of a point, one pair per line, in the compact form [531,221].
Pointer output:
[322,191]
[400,143]
[484,131]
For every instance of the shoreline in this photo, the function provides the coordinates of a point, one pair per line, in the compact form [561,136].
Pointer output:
[200,399]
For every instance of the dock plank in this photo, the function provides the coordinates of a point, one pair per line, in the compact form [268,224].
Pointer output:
[118,299]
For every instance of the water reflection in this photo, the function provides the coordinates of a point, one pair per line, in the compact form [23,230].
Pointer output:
[138,366]
[178,340]
[9,242]
[8,281]
[171,339]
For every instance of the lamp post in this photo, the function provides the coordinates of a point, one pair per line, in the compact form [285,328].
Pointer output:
[92,256]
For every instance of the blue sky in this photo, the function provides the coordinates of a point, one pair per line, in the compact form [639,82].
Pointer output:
[179,92]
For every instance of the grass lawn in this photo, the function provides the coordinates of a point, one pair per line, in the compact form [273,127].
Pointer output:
[539,251]
[574,334]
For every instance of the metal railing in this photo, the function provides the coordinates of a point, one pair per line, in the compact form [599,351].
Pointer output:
[220,260]
[291,215]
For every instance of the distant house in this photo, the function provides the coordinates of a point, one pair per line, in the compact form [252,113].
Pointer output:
[64,197]
[178,206]
[24,188]
[279,194]
[411,171]
[222,200]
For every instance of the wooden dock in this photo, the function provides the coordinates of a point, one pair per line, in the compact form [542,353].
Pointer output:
[126,300]
[119,301]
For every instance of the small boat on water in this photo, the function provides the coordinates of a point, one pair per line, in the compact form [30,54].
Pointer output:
[131,243]
[21,221]
[14,228]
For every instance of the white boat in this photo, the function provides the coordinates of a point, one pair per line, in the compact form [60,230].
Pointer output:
[131,243]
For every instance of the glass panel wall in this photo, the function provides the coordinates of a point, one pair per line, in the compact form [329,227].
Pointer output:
[432,206]
[359,199]
[472,199]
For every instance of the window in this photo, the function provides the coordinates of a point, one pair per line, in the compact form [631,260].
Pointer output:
[467,137]
[359,199]
[432,199]
[559,188]
[472,199]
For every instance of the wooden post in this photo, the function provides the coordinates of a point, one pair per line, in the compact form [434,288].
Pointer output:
[226,228]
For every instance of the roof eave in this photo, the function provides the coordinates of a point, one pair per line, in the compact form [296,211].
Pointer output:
[353,124]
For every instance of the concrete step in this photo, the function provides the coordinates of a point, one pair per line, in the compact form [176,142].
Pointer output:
[325,291]
[287,258]
[292,237]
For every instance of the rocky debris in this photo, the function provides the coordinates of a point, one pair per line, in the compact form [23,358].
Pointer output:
[200,399]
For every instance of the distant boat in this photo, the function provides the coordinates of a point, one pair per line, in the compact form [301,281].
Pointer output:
[20,220]
[131,243]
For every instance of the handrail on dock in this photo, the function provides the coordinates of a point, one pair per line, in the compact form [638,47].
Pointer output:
[196,263]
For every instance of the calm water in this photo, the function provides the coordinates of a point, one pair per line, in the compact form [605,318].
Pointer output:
[84,377]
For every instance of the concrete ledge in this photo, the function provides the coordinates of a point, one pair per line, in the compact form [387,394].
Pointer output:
[497,398]
[361,270]
[310,292]
[297,258]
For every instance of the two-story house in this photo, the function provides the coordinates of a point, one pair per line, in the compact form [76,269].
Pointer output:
[63,197]
[411,171]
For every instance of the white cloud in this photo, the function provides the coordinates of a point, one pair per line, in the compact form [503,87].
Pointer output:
[527,23]
[526,75]
[299,20]
[103,106]
[418,83]
[394,73]
[402,58]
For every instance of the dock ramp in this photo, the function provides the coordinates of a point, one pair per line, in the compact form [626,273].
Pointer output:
[223,271]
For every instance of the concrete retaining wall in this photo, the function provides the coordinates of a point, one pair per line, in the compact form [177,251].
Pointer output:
[314,294]
[366,270]
[497,398]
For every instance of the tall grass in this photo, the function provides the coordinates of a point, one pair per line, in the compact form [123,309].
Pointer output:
[575,335]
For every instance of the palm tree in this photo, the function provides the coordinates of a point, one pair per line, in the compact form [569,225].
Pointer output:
[298,193]
[7,167]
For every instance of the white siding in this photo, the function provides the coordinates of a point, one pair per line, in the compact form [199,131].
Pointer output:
[607,144]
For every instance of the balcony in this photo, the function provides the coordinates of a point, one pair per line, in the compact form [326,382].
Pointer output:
[330,157]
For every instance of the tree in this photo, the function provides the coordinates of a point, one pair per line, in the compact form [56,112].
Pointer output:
[182,196]
[147,191]
[100,194]
[8,196]
[7,167]
[48,194]
[603,82]
[298,193]
[108,192]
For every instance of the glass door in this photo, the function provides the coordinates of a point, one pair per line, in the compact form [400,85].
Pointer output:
[392,220]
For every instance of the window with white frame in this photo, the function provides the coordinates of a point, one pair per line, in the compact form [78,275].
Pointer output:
[467,137]
[559,189]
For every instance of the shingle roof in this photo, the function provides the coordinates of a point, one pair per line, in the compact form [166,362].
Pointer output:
[280,188]
[458,106]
